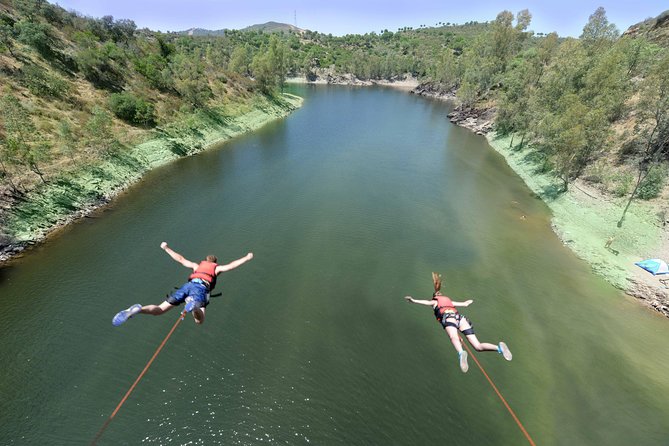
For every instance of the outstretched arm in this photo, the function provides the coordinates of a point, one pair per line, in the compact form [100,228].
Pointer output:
[463,304]
[234,264]
[411,300]
[178,257]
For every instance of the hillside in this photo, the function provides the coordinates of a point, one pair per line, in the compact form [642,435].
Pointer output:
[88,105]
[654,29]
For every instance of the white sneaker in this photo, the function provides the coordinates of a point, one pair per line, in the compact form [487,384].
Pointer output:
[504,350]
[463,361]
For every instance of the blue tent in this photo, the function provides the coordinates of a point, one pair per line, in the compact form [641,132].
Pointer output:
[654,266]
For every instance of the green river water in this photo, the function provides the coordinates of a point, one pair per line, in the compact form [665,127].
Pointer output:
[348,204]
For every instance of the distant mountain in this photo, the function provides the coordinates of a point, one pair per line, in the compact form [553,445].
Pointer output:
[273,27]
[269,27]
[654,29]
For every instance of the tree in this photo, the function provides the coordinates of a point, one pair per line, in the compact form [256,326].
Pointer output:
[19,144]
[467,93]
[653,126]
[446,69]
[545,52]
[607,84]
[506,39]
[99,134]
[514,110]
[131,108]
[190,80]
[262,71]
[100,63]
[240,60]
[11,113]
[6,37]
[36,35]
[563,76]
[29,8]
[277,56]
[269,67]
[571,136]
[67,140]
[39,152]
[598,31]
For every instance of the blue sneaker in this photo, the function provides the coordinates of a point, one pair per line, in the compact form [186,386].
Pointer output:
[124,315]
[191,304]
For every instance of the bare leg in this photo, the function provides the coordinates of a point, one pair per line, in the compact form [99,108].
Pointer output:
[473,340]
[198,315]
[452,333]
[157,310]
[481,346]
[455,340]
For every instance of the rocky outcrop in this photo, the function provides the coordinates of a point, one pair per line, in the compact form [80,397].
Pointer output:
[330,77]
[344,79]
[434,90]
[480,121]
[654,297]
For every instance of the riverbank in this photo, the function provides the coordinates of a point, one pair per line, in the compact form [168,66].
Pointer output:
[585,219]
[75,194]
[406,82]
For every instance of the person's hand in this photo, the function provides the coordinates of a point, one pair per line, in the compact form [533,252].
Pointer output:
[469,302]
[163,245]
[408,299]
[249,256]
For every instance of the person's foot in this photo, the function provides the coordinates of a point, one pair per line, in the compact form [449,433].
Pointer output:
[504,351]
[124,315]
[191,304]
[463,361]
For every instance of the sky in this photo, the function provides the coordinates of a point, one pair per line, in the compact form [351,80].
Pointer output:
[339,17]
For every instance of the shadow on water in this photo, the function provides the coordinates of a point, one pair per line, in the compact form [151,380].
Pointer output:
[6,270]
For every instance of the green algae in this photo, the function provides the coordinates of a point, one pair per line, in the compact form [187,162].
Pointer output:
[75,193]
[585,220]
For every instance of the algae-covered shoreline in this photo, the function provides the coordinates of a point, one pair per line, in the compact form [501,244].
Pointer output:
[77,193]
[585,220]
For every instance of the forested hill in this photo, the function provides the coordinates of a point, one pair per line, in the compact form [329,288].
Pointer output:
[79,90]
[79,93]
[269,27]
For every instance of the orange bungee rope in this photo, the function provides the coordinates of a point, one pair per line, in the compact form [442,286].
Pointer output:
[127,394]
[499,394]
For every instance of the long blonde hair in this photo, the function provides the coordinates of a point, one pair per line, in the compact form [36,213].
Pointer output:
[436,279]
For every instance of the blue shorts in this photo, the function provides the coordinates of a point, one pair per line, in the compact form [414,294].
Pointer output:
[195,290]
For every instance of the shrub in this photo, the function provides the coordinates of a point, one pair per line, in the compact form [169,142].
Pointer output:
[622,183]
[35,35]
[41,83]
[653,184]
[132,109]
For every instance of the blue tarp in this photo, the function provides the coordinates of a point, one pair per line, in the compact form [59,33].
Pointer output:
[654,266]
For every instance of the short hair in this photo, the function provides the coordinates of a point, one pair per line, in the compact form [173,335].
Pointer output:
[211,258]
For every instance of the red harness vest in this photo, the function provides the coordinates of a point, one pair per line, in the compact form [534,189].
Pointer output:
[444,304]
[205,271]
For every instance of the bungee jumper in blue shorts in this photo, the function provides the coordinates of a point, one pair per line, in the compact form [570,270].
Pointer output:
[195,292]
